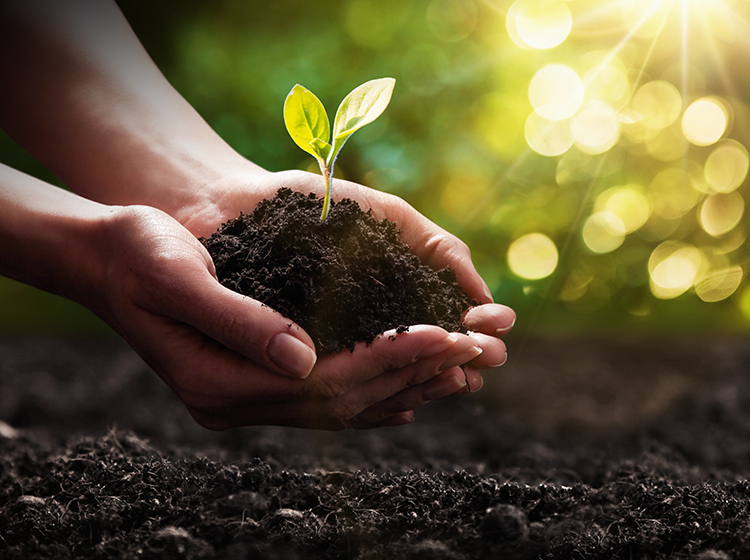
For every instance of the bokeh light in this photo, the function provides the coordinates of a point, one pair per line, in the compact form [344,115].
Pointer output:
[539,24]
[595,128]
[726,167]
[704,122]
[533,256]
[656,105]
[673,268]
[720,213]
[629,203]
[556,92]
[603,232]
[546,137]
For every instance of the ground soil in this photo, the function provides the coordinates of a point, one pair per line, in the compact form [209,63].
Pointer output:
[344,280]
[594,449]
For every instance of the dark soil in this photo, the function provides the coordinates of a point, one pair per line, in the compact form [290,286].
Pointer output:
[344,280]
[595,449]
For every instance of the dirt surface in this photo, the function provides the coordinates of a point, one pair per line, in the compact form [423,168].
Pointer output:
[344,280]
[594,449]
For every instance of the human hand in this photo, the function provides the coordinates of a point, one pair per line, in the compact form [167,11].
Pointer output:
[240,192]
[235,362]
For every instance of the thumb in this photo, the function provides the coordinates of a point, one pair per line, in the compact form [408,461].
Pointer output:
[249,327]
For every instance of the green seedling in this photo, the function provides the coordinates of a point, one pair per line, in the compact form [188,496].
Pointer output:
[308,124]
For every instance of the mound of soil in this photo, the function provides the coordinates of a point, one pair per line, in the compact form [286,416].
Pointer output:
[596,449]
[343,280]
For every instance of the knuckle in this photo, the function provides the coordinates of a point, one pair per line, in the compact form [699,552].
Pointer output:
[331,387]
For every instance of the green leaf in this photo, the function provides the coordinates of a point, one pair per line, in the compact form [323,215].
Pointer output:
[307,122]
[362,106]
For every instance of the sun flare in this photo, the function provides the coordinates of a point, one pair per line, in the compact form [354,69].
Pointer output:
[646,90]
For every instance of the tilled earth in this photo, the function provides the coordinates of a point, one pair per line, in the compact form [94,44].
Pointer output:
[596,449]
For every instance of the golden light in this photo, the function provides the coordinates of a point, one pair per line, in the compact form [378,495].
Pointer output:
[726,167]
[607,80]
[717,18]
[673,268]
[539,24]
[546,137]
[720,213]
[656,105]
[603,232]
[704,122]
[629,203]
[533,256]
[595,127]
[719,283]
[556,92]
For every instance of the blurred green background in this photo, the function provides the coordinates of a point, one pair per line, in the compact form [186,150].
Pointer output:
[592,153]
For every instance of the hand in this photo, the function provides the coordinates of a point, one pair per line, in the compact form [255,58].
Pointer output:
[242,190]
[235,362]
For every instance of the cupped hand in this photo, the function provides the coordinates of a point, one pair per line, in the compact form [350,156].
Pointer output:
[242,189]
[235,362]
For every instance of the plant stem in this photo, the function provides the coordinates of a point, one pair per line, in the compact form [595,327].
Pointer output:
[327,199]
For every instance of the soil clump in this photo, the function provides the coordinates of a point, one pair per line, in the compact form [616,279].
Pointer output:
[343,280]
[540,464]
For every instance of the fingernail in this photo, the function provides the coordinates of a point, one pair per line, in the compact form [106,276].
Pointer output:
[461,358]
[501,363]
[504,330]
[438,347]
[294,357]
[444,389]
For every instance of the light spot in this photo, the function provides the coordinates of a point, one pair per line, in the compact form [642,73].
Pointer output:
[719,284]
[539,24]
[704,122]
[603,232]
[656,105]
[595,128]
[720,213]
[556,92]
[546,137]
[533,256]
[673,268]
[606,82]
[629,203]
[726,167]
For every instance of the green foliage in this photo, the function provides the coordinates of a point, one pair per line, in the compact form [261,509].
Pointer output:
[308,125]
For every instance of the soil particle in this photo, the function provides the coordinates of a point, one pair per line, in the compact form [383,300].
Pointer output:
[468,481]
[343,280]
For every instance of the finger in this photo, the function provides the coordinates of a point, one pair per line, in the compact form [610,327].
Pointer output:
[492,319]
[412,386]
[474,381]
[391,351]
[445,384]
[494,353]
[242,324]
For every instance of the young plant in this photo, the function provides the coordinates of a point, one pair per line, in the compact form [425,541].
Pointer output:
[308,124]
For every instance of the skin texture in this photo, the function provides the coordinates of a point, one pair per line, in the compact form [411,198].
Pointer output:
[148,176]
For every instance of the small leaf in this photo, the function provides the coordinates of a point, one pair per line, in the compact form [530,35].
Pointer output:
[320,147]
[307,122]
[362,106]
